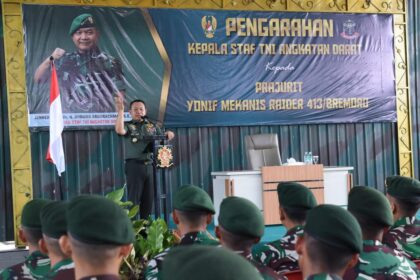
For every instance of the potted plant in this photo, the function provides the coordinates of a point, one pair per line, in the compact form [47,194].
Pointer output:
[152,236]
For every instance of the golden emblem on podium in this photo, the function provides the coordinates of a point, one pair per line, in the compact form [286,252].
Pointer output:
[164,158]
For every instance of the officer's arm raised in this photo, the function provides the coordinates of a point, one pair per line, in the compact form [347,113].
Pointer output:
[119,123]
[43,67]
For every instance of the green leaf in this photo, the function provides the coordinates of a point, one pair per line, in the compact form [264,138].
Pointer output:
[125,203]
[151,238]
[116,195]
[137,247]
[138,226]
[143,246]
[155,237]
[133,211]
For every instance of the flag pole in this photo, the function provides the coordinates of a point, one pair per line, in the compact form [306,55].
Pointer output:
[55,152]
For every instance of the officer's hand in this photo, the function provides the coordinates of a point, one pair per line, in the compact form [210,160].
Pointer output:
[119,102]
[170,134]
[57,53]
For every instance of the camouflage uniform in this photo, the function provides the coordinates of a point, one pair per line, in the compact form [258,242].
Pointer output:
[378,261]
[266,272]
[323,276]
[63,270]
[36,266]
[404,236]
[88,81]
[279,255]
[154,266]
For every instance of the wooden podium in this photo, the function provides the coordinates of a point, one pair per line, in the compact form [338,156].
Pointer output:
[311,176]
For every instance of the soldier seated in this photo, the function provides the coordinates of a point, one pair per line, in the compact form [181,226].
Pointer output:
[241,225]
[295,200]
[54,225]
[404,235]
[330,245]
[99,236]
[376,261]
[193,211]
[206,263]
[37,264]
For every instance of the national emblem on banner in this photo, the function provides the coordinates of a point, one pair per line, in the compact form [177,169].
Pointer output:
[349,30]
[209,25]
[164,157]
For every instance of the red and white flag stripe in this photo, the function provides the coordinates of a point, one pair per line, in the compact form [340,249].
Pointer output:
[55,153]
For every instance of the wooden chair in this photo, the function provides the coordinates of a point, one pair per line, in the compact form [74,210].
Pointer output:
[294,275]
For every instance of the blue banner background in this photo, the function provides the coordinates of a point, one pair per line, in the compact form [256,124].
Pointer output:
[369,75]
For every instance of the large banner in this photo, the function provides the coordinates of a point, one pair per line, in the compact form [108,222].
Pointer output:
[222,67]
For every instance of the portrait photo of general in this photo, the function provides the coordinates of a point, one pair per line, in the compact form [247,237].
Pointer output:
[99,54]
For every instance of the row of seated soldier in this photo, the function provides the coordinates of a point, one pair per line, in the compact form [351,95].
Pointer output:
[88,237]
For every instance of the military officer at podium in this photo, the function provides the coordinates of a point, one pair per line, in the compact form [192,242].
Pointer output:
[138,152]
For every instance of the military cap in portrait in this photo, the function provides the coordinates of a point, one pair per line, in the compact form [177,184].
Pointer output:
[81,21]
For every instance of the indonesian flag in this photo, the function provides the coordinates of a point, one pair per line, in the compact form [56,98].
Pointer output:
[55,153]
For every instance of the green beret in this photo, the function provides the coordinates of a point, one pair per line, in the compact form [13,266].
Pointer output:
[402,187]
[334,226]
[98,220]
[53,219]
[295,195]
[81,21]
[192,199]
[240,216]
[370,203]
[31,213]
[206,263]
